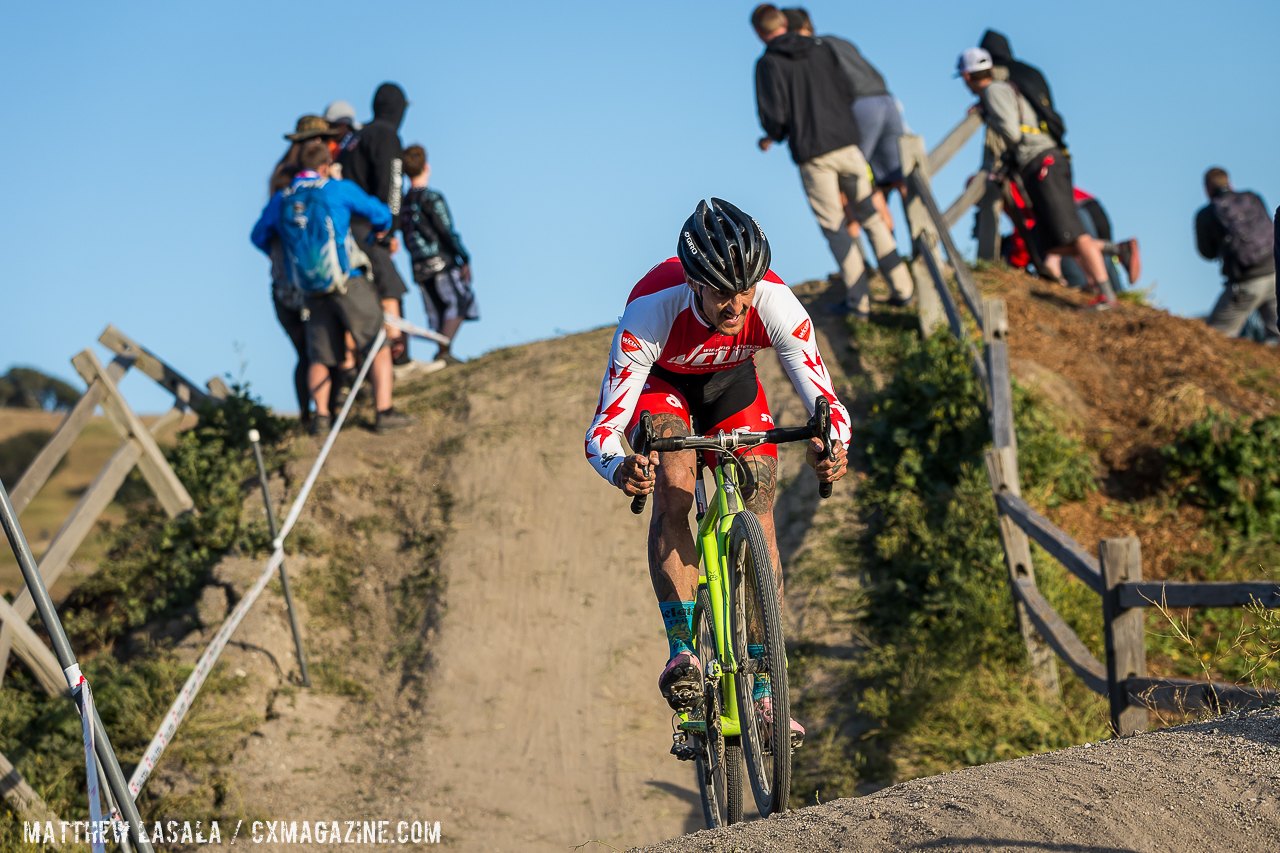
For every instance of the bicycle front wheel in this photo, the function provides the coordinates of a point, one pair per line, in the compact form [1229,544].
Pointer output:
[756,619]
[719,762]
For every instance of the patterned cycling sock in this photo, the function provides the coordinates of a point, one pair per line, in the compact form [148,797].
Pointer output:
[677,616]
[761,688]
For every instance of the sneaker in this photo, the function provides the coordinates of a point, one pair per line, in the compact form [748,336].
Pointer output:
[1130,259]
[900,302]
[392,420]
[681,682]
[1101,302]
[320,425]
[764,716]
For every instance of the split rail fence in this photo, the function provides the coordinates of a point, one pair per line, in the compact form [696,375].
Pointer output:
[57,670]
[1115,574]
[138,449]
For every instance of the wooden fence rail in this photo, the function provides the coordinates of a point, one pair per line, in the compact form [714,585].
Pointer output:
[1116,573]
[138,449]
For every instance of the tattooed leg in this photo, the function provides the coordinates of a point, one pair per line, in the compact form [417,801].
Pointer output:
[672,557]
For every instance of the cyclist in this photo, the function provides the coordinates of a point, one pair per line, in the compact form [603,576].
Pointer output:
[685,352]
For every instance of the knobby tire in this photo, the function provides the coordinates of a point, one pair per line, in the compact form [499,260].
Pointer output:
[719,763]
[754,591]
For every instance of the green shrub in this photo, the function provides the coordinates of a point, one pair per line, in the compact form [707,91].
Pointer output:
[945,683]
[1232,467]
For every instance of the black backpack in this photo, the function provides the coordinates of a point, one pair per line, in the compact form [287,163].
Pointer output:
[1249,237]
[1031,83]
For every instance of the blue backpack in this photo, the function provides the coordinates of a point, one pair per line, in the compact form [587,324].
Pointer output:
[311,245]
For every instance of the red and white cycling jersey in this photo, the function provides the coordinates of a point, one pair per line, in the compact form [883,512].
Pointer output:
[661,326]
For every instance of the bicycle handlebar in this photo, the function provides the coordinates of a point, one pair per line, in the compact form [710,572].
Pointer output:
[819,426]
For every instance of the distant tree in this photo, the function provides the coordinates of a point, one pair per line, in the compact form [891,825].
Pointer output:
[28,388]
[17,451]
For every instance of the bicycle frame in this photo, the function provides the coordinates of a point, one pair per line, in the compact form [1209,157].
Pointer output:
[714,521]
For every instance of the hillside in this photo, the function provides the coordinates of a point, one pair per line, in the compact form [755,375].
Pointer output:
[484,644]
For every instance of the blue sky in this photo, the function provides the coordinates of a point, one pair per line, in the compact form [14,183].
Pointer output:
[571,139]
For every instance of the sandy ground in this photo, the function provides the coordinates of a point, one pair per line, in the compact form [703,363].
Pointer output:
[1207,786]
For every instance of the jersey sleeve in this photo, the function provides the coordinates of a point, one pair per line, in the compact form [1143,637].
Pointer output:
[793,337]
[635,350]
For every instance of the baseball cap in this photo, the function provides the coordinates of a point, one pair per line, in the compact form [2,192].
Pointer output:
[340,111]
[973,59]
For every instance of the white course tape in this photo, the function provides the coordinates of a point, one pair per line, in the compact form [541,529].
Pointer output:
[198,676]
[296,510]
[80,686]
[417,331]
[178,710]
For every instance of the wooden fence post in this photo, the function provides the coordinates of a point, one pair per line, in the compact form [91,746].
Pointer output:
[1002,469]
[21,797]
[991,204]
[1121,561]
[155,468]
[995,328]
[923,234]
[79,523]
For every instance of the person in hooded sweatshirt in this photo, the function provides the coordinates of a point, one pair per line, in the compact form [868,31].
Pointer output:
[372,160]
[804,99]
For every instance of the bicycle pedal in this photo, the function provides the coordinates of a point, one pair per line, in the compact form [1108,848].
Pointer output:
[681,748]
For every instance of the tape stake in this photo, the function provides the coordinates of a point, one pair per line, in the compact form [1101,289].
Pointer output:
[90,762]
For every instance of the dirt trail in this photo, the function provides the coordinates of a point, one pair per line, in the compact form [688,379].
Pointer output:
[545,728]
[1207,786]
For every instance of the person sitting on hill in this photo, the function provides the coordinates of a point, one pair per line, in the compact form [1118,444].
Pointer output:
[312,220]
[1043,168]
[1235,228]
[441,265]
[685,351]
[1096,223]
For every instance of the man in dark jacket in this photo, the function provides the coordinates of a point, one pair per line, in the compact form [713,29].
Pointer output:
[1235,227]
[803,98]
[372,161]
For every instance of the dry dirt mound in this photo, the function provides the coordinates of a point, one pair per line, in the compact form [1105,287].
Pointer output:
[1127,381]
[1208,786]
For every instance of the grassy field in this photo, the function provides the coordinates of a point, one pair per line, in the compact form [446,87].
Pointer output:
[53,504]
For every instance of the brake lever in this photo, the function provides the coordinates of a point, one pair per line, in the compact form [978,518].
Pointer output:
[645,434]
[822,430]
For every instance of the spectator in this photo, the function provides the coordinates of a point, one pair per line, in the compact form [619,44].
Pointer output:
[348,301]
[803,98]
[285,296]
[1031,84]
[1044,169]
[1235,228]
[1096,223]
[441,265]
[373,162]
[1029,81]
[876,112]
[342,117]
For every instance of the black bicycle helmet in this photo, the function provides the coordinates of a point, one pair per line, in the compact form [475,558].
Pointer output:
[722,247]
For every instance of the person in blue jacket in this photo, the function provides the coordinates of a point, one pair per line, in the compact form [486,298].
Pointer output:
[354,305]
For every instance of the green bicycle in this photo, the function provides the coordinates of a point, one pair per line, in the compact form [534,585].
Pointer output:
[736,603]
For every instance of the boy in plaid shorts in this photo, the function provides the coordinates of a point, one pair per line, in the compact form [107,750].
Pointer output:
[441,265]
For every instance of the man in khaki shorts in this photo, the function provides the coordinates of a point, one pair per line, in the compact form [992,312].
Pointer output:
[803,99]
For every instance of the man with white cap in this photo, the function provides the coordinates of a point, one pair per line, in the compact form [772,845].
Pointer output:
[1044,168]
[342,118]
